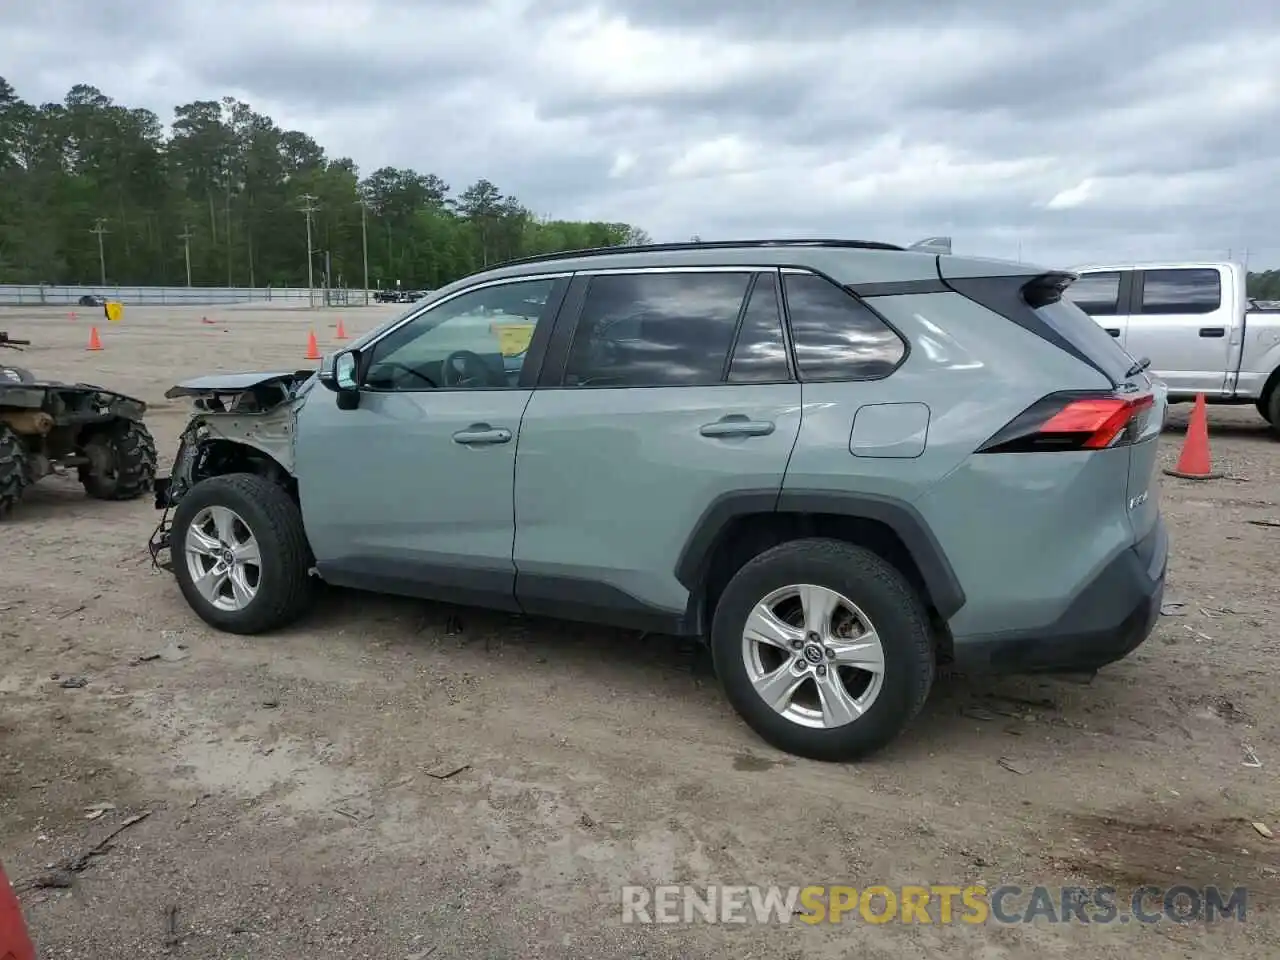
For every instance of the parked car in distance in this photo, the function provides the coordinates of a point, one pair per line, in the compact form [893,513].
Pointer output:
[1196,325]
[92,300]
[841,462]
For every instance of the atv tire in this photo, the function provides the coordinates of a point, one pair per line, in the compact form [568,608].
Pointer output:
[13,470]
[123,456]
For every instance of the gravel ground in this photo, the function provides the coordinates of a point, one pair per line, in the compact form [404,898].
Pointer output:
[392,779]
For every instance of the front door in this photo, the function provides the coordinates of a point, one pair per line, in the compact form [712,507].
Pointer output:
[411,491]
[1104,295]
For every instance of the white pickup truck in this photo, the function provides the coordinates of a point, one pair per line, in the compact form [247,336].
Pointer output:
[1196,325]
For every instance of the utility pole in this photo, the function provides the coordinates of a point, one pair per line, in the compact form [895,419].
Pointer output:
[310,207]
[364,241]
[185,237]
[99,229]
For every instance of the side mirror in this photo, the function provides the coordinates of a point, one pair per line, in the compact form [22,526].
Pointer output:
[345,367]
[343,378]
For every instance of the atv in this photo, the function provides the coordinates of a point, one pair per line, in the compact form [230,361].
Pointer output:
[47,427]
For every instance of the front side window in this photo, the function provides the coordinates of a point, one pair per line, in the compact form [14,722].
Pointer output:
[477,340]
[1097,294]
[656,329]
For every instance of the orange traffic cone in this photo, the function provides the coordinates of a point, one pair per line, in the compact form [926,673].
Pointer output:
[1195,463]
[71,315]
[94,342]
[15,941]
[341,333]
[313,349]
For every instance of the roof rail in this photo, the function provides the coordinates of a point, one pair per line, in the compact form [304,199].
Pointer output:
[696,245]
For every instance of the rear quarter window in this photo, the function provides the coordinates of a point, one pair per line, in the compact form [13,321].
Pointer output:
[835,336]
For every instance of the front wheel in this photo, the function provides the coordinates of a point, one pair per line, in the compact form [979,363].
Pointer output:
[122,461]
[823,648]
[240,554]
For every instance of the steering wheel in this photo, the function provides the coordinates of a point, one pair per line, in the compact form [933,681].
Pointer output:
[397,365]
[465,368]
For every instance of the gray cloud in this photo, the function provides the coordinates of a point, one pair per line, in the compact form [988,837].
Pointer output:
[1102,129]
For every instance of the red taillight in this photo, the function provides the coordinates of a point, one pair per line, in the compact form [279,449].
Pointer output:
[1068,421]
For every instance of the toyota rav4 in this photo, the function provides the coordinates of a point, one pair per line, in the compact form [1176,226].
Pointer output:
[843,463]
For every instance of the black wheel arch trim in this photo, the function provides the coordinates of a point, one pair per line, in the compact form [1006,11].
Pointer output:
[945,592]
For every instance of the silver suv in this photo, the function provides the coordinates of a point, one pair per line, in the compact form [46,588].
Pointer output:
[841,462]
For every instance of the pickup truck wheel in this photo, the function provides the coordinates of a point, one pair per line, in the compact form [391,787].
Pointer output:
[1270,408]
[240,554]
[13,470]
[824,649]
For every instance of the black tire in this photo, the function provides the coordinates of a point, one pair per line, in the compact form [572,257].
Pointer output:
[1270,409]
[13,470]
[889,601]
[124,461]
[284,586]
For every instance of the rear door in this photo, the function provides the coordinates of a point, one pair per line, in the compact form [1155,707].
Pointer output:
[1181,320]
[663,391]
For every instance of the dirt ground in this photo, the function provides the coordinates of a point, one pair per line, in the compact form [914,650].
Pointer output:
[295,783]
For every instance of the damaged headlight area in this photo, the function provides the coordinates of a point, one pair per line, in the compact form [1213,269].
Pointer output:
[241,423]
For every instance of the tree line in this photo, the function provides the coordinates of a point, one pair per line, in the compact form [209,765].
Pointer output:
[227,186]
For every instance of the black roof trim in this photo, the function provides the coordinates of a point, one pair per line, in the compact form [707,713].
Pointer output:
[696,245]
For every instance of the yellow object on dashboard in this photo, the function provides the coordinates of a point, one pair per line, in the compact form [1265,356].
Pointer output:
[513,338]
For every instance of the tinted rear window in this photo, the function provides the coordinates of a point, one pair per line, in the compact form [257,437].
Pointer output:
[1083,332]
[1181,291]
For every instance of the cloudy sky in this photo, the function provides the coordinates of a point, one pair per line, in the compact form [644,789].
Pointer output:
[1071,132]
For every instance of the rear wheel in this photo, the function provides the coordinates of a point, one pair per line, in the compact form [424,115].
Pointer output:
[13,470]
[824,649]
[122,461]
[240,554]
[1270,408]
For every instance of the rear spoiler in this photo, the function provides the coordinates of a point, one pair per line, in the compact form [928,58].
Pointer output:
[1047,288]
[932,245]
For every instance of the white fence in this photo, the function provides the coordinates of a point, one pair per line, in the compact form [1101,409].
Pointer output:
[35,295]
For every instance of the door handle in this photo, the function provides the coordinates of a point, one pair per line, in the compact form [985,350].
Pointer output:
[1114,331]
[737,426]
[1213,331]
[479,433]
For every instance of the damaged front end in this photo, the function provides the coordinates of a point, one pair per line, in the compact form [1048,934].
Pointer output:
[241,423]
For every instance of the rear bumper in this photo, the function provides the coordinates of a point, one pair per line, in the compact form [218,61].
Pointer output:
[1108,619]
